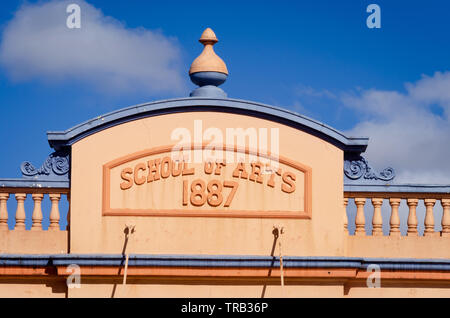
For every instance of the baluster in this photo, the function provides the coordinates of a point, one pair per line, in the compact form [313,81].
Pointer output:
[54,213]
[37,212]
[20,212]
[412,217]
[360,219]
[395,219]
[429,217]
[377,220]
[445,217]
[4,211]
[345,216]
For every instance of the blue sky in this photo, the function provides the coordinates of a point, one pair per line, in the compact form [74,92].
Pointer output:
[317,58]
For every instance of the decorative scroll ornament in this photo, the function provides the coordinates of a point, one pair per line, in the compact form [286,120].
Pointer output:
[56,166]
[360,168]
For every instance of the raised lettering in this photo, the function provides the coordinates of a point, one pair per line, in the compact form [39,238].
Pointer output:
[209,166]
[198,195]
[256,172]
[215,197]
[153,174]
[271,181]
[166,167]
[234,186]
[139,179]
[126,175]
[187,171]
[289,179]
[179,167]
[185,192]
[219,166]
[240,172]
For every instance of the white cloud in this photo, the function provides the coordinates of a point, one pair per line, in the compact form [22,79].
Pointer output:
[405,132]
[37,44]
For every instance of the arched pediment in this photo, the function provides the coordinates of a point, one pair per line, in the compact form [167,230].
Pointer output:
[63,139]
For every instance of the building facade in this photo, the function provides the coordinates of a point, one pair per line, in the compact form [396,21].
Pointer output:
[207,196]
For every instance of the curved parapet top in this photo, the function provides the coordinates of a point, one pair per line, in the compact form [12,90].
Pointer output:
[63,139]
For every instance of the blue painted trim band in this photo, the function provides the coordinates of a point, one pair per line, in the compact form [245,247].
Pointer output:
[25,260]
[62,139]
[397,188]
[33,184]
[224,261]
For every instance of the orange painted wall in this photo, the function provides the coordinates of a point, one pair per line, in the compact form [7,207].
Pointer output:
[93,233]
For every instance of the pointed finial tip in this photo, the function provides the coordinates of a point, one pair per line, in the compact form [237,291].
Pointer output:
[208,36]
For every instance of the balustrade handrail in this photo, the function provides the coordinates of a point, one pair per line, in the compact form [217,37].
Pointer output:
[33,184]
[393,189]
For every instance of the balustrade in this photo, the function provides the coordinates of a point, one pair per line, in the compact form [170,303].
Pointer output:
[429,200]
[37,196]
[412,200]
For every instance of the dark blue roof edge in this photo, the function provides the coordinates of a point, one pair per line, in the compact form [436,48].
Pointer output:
[223,261]
[61,139]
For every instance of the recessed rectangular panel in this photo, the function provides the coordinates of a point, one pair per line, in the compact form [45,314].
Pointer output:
[235,183]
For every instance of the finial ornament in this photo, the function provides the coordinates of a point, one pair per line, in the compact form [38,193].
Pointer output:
[208,70]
